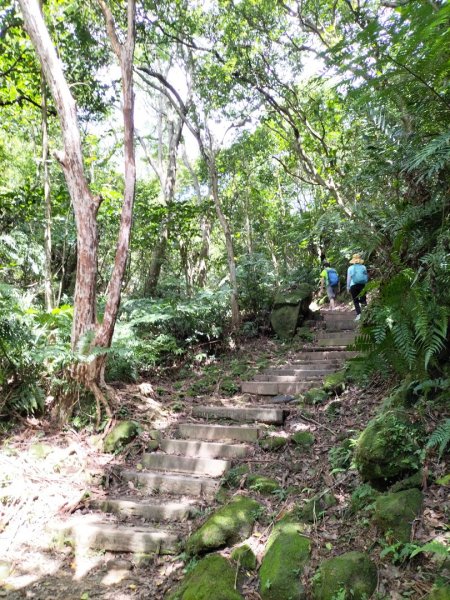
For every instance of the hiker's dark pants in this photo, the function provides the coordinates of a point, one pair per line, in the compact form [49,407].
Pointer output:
[358,300]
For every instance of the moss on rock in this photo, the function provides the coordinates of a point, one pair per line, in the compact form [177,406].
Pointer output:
[388,449]
[234,476]
[394,513]
[121,435]
[289,310]
[263,485]
[245,557]
[315,396]
[287,553]
[414,481]
[303,439]
[272,444]
[334,382]
[228,525]
[212,577]
[353,572]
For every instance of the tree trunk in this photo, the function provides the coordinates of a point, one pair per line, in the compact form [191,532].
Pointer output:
[235,313]
[48,292]
[84,203]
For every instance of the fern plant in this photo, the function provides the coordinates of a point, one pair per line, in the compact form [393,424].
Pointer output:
[440,437]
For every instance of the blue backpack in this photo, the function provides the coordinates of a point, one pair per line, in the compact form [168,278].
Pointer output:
[333,277]
[359,274]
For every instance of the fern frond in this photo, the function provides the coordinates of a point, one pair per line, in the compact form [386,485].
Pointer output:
[440,437]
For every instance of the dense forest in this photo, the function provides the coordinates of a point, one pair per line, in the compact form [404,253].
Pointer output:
[169,167]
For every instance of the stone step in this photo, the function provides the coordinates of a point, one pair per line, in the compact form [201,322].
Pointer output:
[323,335]
[181,485]
[211,467]
[91,532]
[315,365]
[341,326]
[204,449]
[337,314]
[306,373]
[272,416]
[150,511]
[290,378]
[340,341]
[270,388]
[320,355]
[237,433]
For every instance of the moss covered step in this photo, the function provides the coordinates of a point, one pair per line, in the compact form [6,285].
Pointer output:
[270,388]
[90,532]
[271,416]
[238,433]
[150,511]
[184,464]
[204,449]
[171,483]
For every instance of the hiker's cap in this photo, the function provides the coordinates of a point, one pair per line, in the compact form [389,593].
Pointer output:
[356,260]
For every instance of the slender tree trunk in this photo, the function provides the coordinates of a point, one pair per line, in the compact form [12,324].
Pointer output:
[235,312]
[48,292]
[84,203]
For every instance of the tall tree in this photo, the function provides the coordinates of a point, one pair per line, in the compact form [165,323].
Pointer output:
[85,204]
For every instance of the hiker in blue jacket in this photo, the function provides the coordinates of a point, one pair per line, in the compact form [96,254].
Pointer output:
[357,278]
[329,279]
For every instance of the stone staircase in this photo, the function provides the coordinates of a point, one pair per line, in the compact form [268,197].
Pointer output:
[336,331]
[149,509]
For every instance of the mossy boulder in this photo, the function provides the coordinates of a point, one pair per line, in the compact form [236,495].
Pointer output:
[414,481]
[388,449]
[334,383]
[353,572]
[245,557]
[287,553]
[228,525]
[439,593]
[315,396]
[394,513]
[120,435]
[212,577]
[272,444]
[303,439]
[261,484]
[290,309]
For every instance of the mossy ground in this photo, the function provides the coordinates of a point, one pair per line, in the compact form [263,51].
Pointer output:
[352,572]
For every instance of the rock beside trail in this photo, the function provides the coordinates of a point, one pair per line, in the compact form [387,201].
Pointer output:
[334,383]
[245,557]
[388,449]
[395,513]
[303,439]
[273,443]
[120,435]
[212,577]
[228,525]
[289,310]
[262,484]
[287,553]
[315,396]
[353,572]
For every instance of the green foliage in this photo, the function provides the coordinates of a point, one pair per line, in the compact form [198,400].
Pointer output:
[440,437]
[340,457]
[401,552]
[406,326]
